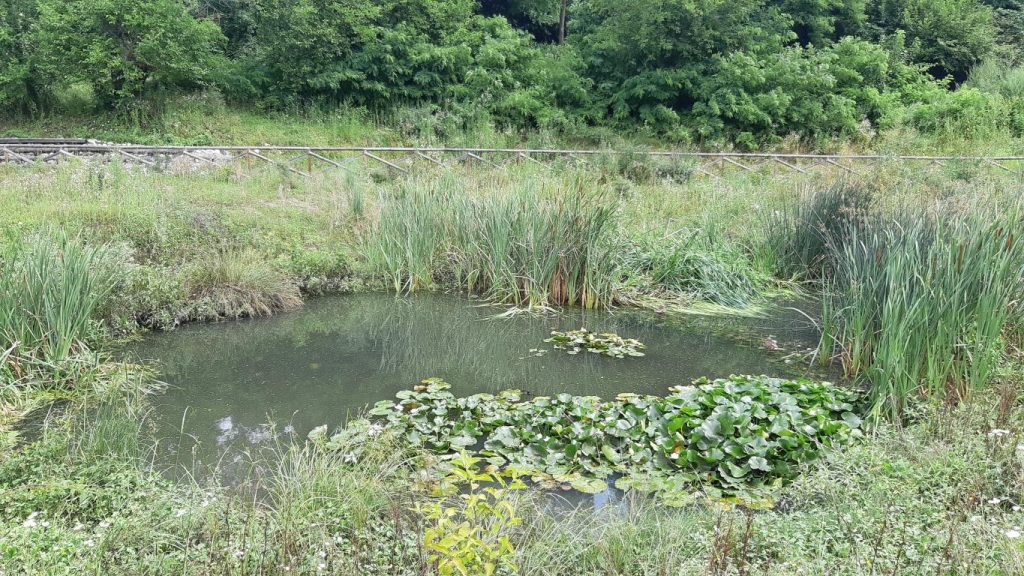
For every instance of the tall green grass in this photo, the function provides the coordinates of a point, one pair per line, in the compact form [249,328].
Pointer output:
[528,246]
[919,301]
[51,289]
[798,233]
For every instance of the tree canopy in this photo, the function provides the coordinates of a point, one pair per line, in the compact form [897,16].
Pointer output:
[738,71]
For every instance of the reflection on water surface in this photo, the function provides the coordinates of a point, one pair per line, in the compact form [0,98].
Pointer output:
[336,356]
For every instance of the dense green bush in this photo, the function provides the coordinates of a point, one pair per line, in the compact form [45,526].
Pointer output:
[124,49]
[746,72]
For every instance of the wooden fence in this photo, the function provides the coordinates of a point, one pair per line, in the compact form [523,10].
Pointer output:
[307,160]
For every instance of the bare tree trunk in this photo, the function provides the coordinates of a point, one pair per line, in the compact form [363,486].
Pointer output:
[561,22]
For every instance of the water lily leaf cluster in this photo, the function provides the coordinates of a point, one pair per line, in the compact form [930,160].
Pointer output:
[732,435]
[606,344]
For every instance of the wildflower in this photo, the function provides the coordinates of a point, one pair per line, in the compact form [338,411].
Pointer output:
[1016,508]
[321,566]
[181,513]
[350,458]
[323,554]
[78,527]
[1012,534]
[998,433]
[204,503]
[105,524]
[90,543]
[995,501]
[238,554]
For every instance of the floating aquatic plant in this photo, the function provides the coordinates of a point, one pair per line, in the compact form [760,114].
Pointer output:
[738,435]
[606,344]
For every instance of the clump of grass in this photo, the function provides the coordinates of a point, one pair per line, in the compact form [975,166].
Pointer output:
[919,303]
[51,289]
[799,232]
[522,247]
[692,265]
[239,283]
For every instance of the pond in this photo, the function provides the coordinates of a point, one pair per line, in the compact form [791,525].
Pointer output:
[238,386]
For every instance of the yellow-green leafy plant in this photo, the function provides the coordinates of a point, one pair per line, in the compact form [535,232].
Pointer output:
[469,534]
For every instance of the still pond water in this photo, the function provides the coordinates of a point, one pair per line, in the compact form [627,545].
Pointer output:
[238,386]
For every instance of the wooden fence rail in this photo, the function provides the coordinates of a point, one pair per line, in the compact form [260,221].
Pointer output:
[307,160]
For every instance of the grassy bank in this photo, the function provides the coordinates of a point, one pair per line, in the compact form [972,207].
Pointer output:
[91,255]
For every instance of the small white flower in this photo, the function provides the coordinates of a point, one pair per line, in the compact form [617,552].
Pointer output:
[90,543]
[105,524]
[238,554]
[1016,508]
[181,513]
[204,503]
[1012,534]
[995,501]
[998,433]
[350,458]
[321,566]
[322,554]
[78,527]
[46,524]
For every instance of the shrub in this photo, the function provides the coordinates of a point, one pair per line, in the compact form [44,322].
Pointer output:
[967,112]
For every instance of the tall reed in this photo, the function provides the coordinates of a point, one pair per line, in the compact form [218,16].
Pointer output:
[527,246]
[50,290]
[918,303]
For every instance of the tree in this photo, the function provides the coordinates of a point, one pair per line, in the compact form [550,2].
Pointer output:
[19,87]
[950,36]
[237,20]
[125,49]
[546,20]
[821,22]
[644,56]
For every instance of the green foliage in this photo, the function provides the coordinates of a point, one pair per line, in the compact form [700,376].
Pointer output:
[526,247]
[472,536]
[611,345]
[748,72]
[51,291]
[742,433]
[919,303]
[19,84]
[124,49]
[804,91]
[949,36]
[965,112]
